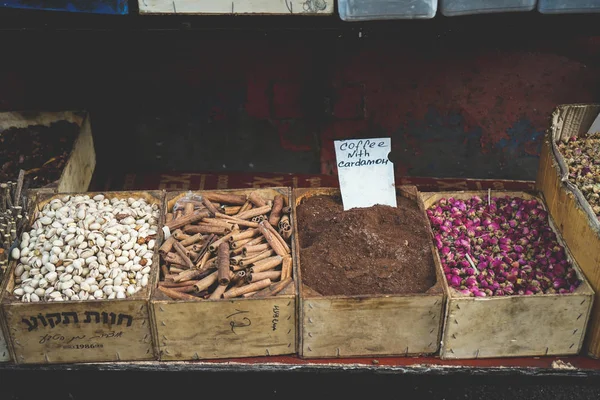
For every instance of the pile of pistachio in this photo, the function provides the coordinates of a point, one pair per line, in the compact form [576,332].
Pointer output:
[582,155]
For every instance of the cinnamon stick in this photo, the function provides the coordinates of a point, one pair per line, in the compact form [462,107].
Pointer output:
[192,239]
[286,267]
[178,284]
[218,222]
[247,206]
[184,254]
[205,283]
[223,275]
[177,295]
[253,287]
[179,235]
[261,256]
[226,198]
[183,289]
[191,229]
[188,208]
[235,260]
[191,274]
[231,210]
[239,243]
[272,239]
[187,219]
[276,212]
[266,264]
[253,212]
[257,199]
[259,276]
[214,245]
[255,249]
[248,233]
[168,217]
[272,290]
[166,246]
[240,222]
[278,237]
[209,205]
[218,292]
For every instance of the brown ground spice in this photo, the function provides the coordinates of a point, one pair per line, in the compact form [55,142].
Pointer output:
[374,250]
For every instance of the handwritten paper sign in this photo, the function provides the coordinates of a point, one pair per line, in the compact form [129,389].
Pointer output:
[365,173]
[595,128]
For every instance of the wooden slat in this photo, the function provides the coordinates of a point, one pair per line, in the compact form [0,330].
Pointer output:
[395,325]
[304,7]
[515,326]
[224,329]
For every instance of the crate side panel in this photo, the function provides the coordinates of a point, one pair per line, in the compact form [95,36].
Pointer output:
[79,332]
[344,327]
[515,326]
[77,174]
[225,328]
[322,7]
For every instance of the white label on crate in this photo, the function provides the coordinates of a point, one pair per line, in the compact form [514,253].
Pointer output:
[595,128]
[365,173]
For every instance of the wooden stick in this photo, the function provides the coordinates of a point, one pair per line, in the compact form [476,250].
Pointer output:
[253,287]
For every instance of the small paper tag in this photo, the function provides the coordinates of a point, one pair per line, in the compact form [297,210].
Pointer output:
[595,128]
[365,173]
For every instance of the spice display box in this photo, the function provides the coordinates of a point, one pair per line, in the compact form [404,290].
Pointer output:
[516,325]
[365,325]
[574,217]
[82,330]
[79,168]
[226,328]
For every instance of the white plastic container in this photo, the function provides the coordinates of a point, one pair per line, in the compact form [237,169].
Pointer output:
[365,10]
[452,8]
[568,6]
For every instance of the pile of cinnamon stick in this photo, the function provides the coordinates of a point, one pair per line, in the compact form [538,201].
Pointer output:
[224,245]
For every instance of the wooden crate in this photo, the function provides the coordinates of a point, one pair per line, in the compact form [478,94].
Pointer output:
[571,211]
[77,173]
[83,331]
[366,325]
[225,328]
[4,351]
[537,325]
[267,7]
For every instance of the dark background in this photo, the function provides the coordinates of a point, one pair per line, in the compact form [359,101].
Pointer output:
[460,97]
